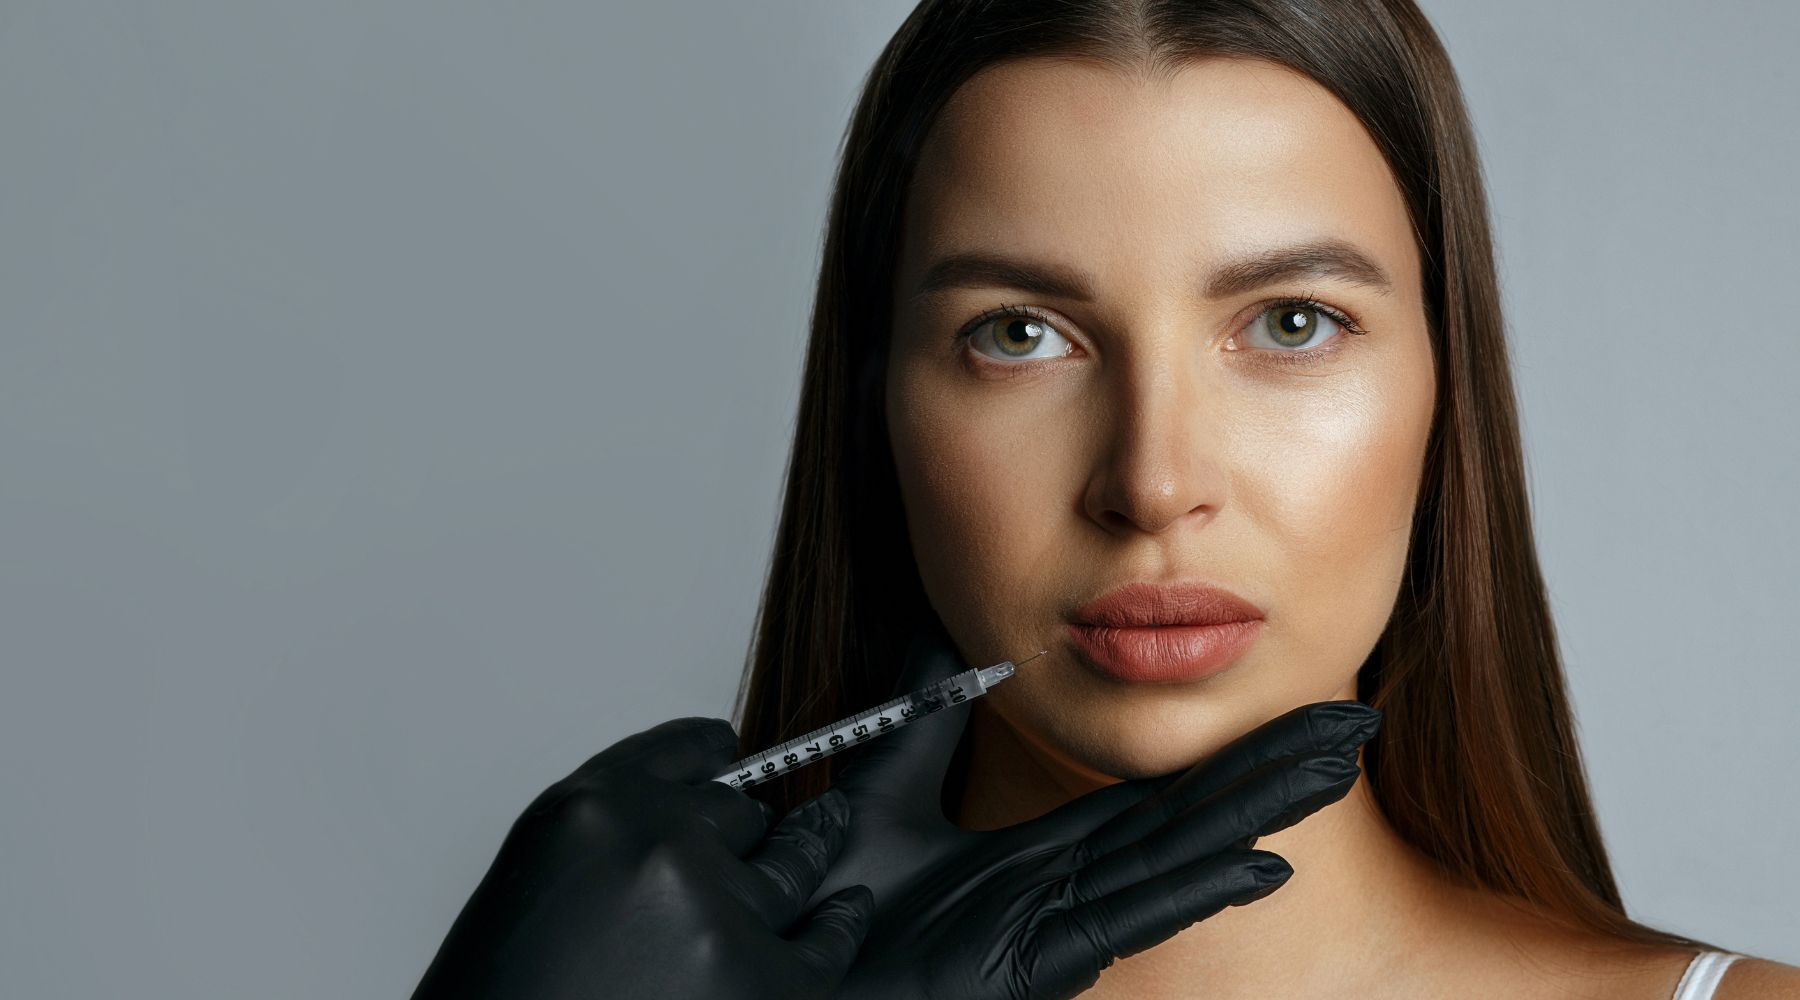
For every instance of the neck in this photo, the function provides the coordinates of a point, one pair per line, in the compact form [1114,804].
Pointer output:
[1352,907]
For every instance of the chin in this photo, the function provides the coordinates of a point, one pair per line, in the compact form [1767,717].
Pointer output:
[1145,733]
[1130,764]
[1132,750]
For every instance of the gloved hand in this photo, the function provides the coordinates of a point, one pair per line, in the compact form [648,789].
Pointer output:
[640,876]
[1036,910]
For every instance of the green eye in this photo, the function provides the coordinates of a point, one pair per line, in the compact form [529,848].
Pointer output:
[1288,323]
[1015,332]
[1012,332]
[1291,325]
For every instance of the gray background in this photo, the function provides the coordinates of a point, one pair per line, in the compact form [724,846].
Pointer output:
[393,399]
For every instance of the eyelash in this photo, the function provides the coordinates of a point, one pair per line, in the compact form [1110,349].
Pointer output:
[1307,358]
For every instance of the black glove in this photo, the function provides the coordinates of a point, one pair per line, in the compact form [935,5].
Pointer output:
[634,877]
[1036,910]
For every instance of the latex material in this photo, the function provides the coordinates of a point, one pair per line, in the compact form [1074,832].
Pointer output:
[1038,909]
[640,876]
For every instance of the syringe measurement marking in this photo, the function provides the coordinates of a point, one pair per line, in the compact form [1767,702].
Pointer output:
[855,725]
[854,729]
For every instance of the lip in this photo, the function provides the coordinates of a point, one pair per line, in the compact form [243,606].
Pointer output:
[1139,604]
[1164,654]
[1149,634]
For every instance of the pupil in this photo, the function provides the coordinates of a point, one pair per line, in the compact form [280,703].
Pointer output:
[1293,320]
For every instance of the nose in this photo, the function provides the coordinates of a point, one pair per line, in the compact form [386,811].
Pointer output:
[1160,464]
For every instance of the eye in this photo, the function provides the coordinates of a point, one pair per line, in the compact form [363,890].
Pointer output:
[1019,333]
[1015,333]
[1291,323]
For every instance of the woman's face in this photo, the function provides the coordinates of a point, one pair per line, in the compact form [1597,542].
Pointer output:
[1168,426]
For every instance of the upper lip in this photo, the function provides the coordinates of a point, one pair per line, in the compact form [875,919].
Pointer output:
[1141,604]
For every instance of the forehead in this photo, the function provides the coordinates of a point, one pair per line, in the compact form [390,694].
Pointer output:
[1134,178]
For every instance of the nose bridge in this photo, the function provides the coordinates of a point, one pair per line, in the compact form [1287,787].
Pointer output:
[1163,435]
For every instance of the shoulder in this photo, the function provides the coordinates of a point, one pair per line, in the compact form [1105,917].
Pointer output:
[1758,979]
[1656,974]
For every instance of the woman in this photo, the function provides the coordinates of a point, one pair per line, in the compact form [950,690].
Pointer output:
[1058,338]
[1164,338]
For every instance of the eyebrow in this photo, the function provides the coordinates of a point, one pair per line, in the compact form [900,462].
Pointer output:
[1322,258]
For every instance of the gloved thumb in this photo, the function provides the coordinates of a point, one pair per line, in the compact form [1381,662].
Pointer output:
[908,764]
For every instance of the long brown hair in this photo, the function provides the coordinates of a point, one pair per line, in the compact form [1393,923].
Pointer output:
[1476,763]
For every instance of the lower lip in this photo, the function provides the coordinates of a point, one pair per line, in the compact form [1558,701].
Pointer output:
[1165,654]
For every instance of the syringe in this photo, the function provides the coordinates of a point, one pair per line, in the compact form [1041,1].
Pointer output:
[864,726]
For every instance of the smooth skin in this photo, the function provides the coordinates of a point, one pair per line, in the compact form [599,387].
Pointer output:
[1151,431]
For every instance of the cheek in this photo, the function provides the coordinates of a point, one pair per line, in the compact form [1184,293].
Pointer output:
[1332,500]
[980,502]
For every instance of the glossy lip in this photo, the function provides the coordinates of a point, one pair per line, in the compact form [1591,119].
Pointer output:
[1157,634]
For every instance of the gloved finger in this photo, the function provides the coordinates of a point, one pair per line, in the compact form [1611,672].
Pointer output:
[794,859]
[740,820]
[827,943]
[1073,946]
[1274,797]
[1337,727]
[909,765]
[689,749]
